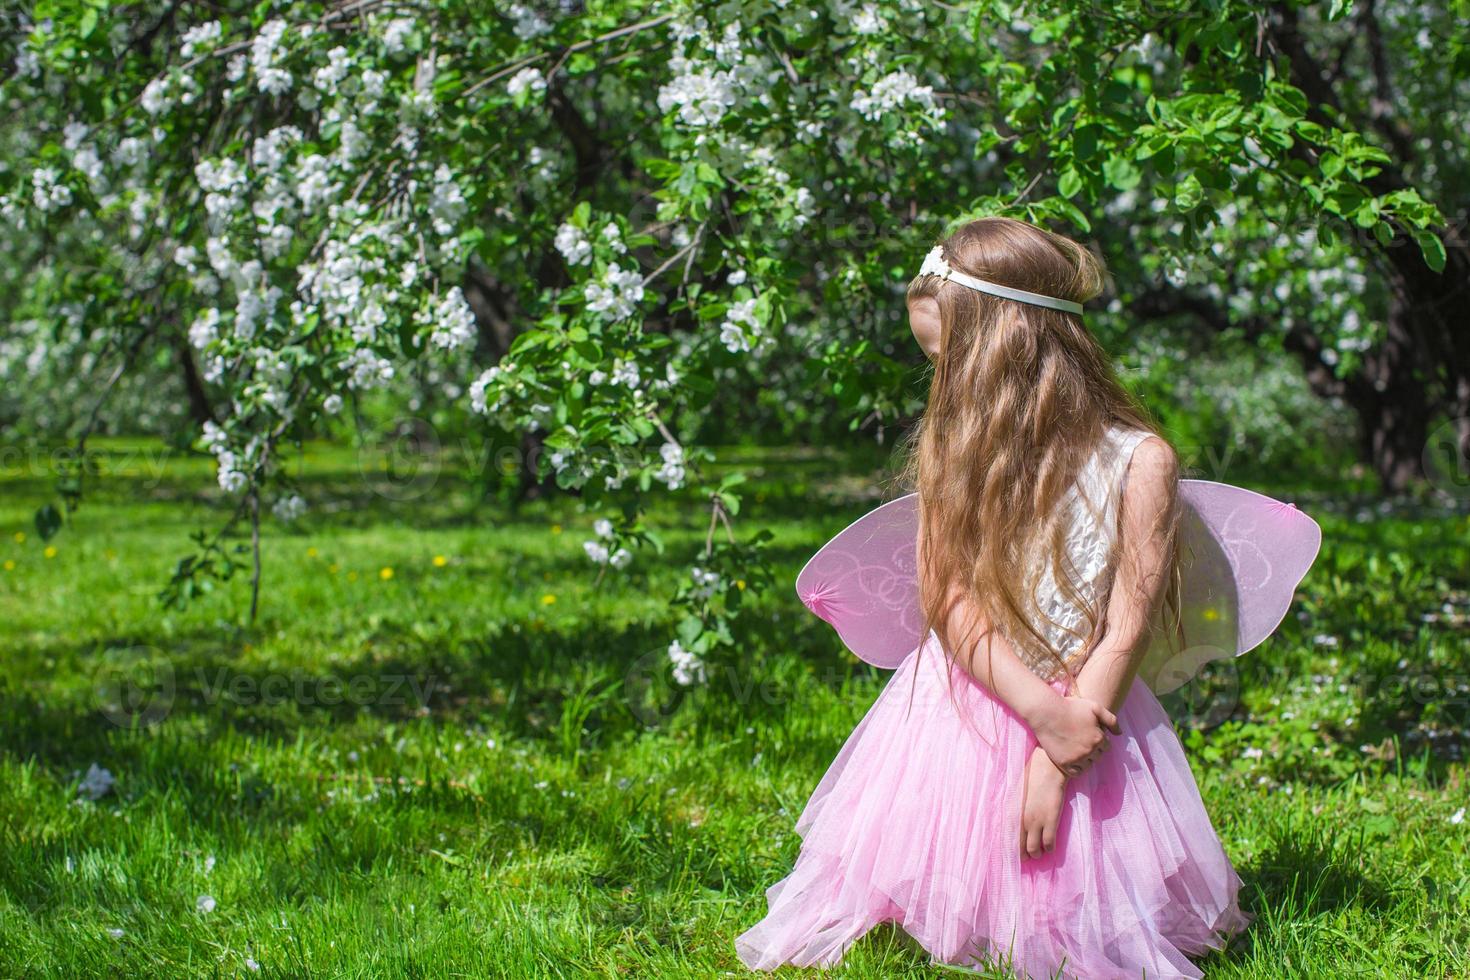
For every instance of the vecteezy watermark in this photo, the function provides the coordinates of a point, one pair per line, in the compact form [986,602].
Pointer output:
[219,685]
[1446,458]
[133,687]
[136,687]
[406,464]
[1208,697]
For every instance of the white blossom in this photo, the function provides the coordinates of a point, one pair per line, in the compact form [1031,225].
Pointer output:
[453,321]
[27,63]
[528,23]
[268,152]
[739,319]
[446,202]
[617,295]
[352,142]
[701,97]
[688,668]
[48,192]
[706,582]
[205,329]
[89,163]
[868,20]
[288,509]
[572,243]
[672,470]
[396,34]
[130,152]
[625,372]
[526,80]
[200,38]
[890,92]
[314,184]
[97,783]
[330,75]
[72,135]
[265,56]
[613,236]
[155,98]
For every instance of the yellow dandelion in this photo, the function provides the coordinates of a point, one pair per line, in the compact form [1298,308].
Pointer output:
[385,574]
[548,599]
[50,551]
[740,584]
[556,529]
[352,576]
[440,561]
[20,537]
[311,552]
[334,568]
[9,565]
[110,555]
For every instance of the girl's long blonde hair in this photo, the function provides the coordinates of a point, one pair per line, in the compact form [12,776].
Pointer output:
[1020,398]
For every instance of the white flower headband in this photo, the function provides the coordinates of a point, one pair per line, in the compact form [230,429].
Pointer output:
[935,264]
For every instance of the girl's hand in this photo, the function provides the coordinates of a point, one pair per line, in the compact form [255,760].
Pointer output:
[1042,796]
[1073,732]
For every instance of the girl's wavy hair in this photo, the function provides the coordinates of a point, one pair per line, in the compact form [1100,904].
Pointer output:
[1020,398]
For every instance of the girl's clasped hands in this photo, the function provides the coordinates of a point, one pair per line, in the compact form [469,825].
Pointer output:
[1072,734]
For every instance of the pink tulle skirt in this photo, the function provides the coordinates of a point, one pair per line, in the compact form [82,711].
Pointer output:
[918,822]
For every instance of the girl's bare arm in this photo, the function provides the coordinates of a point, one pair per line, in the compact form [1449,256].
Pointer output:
[1140,581]
[1069,729]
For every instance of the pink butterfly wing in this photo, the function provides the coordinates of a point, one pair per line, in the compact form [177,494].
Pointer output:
[1242,554]
[864,582]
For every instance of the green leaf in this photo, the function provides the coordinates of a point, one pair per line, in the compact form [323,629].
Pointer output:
[1432,247]
[1070,183]
[1073,213]
[689,629]
[1120,173]
[1188,193]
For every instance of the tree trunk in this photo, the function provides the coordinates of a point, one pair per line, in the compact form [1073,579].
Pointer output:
[200,409]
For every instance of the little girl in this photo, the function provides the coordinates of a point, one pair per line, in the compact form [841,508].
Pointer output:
[979,804]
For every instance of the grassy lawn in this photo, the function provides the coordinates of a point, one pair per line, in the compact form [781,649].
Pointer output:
[420,759]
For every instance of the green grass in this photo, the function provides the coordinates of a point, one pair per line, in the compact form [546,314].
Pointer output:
[484,802]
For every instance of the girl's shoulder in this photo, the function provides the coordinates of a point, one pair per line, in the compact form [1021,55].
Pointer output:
[1126,443]
[1124,450]
[1143,462]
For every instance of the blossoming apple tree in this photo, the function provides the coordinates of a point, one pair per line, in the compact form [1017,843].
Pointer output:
[596,218]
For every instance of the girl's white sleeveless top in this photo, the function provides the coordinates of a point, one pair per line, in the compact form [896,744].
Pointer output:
[1092,530]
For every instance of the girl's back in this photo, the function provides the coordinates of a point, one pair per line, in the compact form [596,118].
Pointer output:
[947,810]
